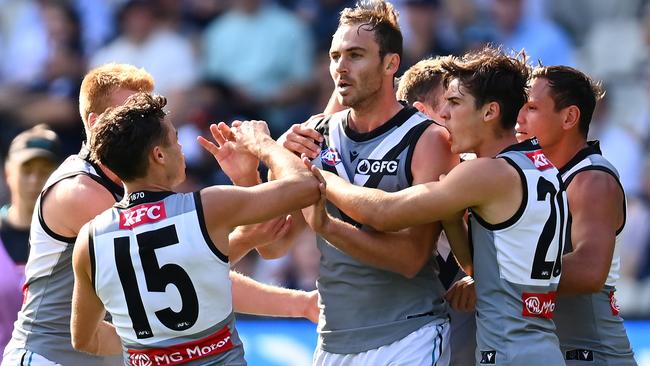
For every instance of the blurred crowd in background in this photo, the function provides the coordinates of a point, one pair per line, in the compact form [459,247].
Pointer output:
[220,60]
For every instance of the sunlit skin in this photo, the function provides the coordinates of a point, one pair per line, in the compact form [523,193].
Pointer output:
[539,117]
[355,66]
[173,148]
[27,179]
[461,118]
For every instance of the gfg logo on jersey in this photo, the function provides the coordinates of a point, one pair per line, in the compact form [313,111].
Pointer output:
[540,160]
[371,166]
[539,305]
[142,214]
[330,156]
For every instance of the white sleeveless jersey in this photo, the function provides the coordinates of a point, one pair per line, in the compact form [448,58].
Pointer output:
[43,324]
[589,326]
[517,267]
[165,284]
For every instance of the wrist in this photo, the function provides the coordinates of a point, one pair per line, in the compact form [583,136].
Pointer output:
[248,180]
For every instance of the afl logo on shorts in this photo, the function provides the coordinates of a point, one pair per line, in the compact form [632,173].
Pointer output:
[330,156]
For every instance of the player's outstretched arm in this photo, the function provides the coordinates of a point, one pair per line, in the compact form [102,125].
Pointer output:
[90,333]
[252,297]
[593,231]
[479,184]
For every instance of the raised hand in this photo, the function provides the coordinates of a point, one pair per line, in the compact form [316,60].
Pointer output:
[302,139]
[462,294]
[250,135]
[239,164]
[316,215]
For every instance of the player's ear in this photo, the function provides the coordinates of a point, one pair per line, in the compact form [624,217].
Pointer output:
[419,106]
[158,155]
[571,116]
[491,111]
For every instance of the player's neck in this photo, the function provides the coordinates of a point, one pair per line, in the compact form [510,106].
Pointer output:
[374,114]
[491,147]
[564,150]
[114,178]
[143,185]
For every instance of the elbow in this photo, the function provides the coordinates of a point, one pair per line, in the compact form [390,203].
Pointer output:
[595,283]
[414,266]
[81,344]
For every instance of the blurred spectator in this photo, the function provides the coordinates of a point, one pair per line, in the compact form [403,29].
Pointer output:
[43,68]
[637,238]
[33,156]
[323,17]
[421,22]
[539,36]
[144,42]
[265,55]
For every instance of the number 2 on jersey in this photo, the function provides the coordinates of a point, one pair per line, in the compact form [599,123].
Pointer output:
[542,269]
[157,278]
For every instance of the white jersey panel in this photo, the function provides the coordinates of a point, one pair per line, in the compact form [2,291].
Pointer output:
[160,273]
[516,253]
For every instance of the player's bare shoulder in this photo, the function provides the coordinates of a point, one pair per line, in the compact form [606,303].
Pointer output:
[74,201]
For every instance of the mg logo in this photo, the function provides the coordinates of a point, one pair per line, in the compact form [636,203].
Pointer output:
[139,359]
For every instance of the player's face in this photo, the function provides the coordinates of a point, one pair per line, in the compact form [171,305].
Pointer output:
[355,65]
[462,118]
[538,117]
[174,150]
[26,180]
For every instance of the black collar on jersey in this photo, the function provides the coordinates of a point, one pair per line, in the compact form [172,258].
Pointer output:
[140,197]
[593,147]
[115,189]
[397,120]
[528,145]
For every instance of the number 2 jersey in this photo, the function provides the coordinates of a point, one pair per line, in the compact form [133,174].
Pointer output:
[589,326]
[517,264]
[166,285]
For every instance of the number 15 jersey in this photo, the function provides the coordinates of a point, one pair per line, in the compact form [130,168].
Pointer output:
[517,265]
[166,285]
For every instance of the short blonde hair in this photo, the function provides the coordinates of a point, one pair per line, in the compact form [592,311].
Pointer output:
[420,80]
[100,82]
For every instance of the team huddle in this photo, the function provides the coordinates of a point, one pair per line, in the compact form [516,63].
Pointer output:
[123,270]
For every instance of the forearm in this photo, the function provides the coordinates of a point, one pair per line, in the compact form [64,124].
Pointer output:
[403,252]
[456,231]
[281,162]
[103,342]
[252,297]
[580,276]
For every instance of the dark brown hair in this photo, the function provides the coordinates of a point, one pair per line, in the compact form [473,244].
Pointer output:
[568,87]
[379,17]
[123,136]
[490,75]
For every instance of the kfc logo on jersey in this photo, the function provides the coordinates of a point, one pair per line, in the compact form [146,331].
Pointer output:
[330,156]
[613,304]
[540,160]
[142,214]
[219,342]
[539,305]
